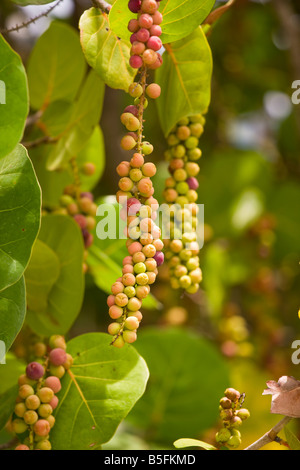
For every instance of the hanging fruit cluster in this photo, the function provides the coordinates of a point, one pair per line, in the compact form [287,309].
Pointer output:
[33,414]
[135,195]
[182,247]
[232,415]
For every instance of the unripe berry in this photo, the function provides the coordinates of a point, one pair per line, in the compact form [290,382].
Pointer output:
[223,435]
[57,371]
[243,413]
[134,304]
[225,403]
[68,362]
[131,323]
[43,445]
[51,419]
[45,394]
[24,380]
[235,422]
[45,410]
[157,17]
[30,417]
[119,342]
[25,391]
[32,402]
[57,341]
[232,394]
[39,349]
[129,336]
[57,356]
[22,447]
[234,442]
[135,90]
[137,160]
[130,122]
[20,409]
[142,280]
[137,48]
[35,371]
[147,148]
[41,427]
[114,328]
[19,426]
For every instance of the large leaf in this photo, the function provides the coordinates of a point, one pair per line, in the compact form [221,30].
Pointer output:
[97,393]
[180,18]
[56,66]
[41,275]
[53,183]
[63,237]
[20,207]
[14,102]
[85,117]
[186,73]
[7,404]
[292,440]
[105,51]
[187,377]
[10,372]
[12,312]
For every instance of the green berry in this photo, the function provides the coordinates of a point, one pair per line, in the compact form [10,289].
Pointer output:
[223,435]
[30,417]
[19,426]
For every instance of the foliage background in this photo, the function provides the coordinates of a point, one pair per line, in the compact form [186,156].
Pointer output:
[247,310]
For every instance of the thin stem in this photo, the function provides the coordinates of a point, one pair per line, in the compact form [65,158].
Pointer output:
[75,170]
[42,140]
[270,436]
[25,24]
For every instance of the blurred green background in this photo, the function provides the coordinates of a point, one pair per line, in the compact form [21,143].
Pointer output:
[239,329]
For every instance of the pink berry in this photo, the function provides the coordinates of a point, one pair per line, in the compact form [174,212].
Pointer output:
[155,30]
[80,220]
[143,35]
[145,21]
[136,62]
[53,383]
[54,402]
[133,38]
[57,356]
[35,371]
[132,109]
[157,17]
[149,6]
[193,183]
[133,26]
[159,258]
[137,48]
[154,43]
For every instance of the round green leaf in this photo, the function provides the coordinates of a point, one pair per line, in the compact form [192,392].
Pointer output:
[97,393]
[105,51]
[12,312]
[56,66]
[84,118]
[180,18]
[40,276]
[14,102]
[20,208]
[64,299]
[187,378]
[186,73]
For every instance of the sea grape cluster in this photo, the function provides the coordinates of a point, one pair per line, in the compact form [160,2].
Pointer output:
[82,208]
[136,192]
[232,414]
[182,247]
[33,416]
